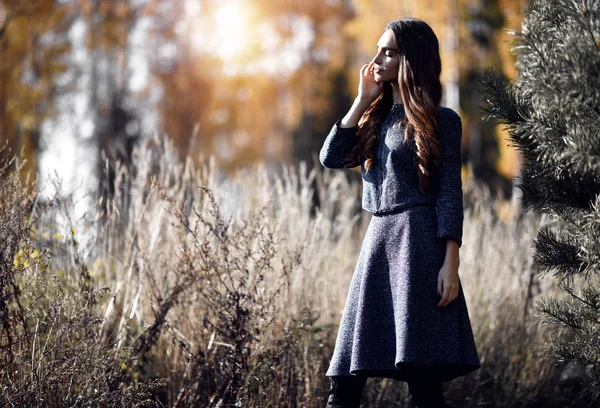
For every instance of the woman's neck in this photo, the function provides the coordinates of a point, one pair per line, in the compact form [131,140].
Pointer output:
[396,94]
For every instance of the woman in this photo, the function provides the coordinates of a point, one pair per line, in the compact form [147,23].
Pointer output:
[405,316]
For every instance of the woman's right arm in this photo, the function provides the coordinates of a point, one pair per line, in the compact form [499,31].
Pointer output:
[342,137]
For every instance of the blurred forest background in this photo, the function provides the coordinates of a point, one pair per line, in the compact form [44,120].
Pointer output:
[82,82]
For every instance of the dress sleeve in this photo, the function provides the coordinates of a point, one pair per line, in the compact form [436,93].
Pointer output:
[449,199]
[338,144]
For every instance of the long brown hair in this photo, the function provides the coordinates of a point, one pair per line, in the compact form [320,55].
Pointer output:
[419,80]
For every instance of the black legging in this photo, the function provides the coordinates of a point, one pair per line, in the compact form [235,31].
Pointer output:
[346,391]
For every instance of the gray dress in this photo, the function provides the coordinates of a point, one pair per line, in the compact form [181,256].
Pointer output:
[391,325]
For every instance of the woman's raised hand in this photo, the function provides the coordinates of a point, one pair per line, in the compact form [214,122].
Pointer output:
[368,91]
[368,88]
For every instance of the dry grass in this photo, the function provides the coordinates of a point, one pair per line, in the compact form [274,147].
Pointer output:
[197,291]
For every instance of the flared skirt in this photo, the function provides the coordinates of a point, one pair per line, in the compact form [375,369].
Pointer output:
[391,325]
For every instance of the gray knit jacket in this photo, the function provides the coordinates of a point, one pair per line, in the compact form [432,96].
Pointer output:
[391,184]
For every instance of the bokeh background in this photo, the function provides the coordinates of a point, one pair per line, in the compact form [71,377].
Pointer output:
[244,80]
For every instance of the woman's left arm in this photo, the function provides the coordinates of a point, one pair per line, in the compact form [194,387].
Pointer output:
[448,283]
[449,204]
[449,201]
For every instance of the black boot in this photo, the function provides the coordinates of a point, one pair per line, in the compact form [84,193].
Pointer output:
[346,391]
[426,394]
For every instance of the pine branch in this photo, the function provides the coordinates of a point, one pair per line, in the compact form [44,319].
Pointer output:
[552,311]
[543,191]
[554,253]
[503,102]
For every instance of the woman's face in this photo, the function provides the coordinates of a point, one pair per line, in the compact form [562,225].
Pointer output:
[386,61]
